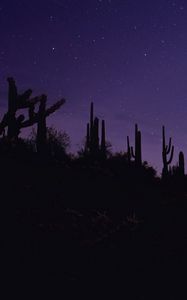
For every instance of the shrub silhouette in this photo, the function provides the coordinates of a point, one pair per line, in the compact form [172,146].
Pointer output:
[57,142]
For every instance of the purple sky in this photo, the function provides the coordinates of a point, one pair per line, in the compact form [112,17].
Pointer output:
[128,56]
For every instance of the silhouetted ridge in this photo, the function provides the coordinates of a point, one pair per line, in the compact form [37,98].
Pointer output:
[98,216]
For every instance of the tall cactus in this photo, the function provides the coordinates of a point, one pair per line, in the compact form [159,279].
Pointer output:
[91,119]
[103,139]
[41,137]
[89,130]
[87,145]
[181,166]
[166,150]
[16,102]
[93,146]
[128,150]
[95,137]
[137,154]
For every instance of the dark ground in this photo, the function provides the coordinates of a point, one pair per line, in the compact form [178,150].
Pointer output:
[93,232]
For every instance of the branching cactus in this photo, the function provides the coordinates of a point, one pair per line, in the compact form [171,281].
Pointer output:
[15,123]
[16,102]
[167,150]
[93,146]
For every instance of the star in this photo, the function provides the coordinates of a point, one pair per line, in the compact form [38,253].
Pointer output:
[51,18]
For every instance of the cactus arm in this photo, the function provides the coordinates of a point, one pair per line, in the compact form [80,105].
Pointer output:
[30,102]
[21,99]
[132,152]
[28,123]
[168,148]
[54,107]
[35,117]
[4,123]
[171,156]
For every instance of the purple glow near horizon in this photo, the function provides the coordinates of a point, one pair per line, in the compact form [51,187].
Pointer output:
[129,57]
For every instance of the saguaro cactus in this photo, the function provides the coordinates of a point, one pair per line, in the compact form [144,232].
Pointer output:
[137,154]
[16,102]
[93,146]
[181,166]
[87,145]
[95,136]
[91,118]
[128,150]
[40,119]
[41,137]
[16,123]
[166,150]
[103,139]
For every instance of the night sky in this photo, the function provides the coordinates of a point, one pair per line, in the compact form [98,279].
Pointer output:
[128,56]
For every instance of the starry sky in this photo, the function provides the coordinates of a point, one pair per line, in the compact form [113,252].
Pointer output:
[128,56]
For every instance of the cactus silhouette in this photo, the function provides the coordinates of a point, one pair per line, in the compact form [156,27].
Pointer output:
[16,102]
[129,156]
[91,121]
[15,123]
[103,139]
[166,150]
[137,153]
[93,145]
[41,137]
[95,136]
[87,145]
[181,166]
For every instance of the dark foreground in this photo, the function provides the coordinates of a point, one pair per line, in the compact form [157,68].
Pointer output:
[71,231]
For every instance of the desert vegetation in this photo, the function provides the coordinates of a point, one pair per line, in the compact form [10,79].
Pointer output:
[94,218]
